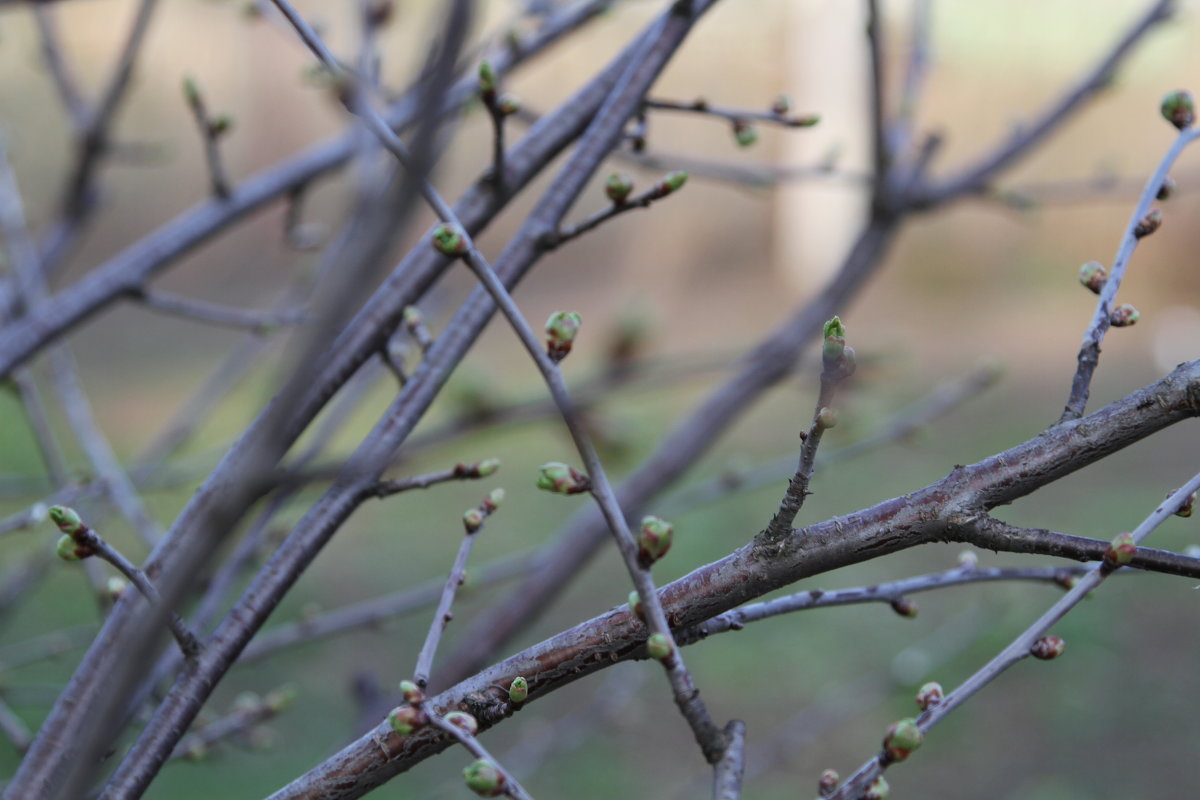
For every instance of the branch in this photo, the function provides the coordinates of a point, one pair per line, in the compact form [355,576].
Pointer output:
[262,322]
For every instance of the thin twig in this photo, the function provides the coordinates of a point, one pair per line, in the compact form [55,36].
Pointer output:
[656,192]
[60,73]
[212,129]
[735,115]
[1089,351]
[727,773]
[512,787]
[39,424]
[216,314]
[244,716]
[1018,649]
[14,728]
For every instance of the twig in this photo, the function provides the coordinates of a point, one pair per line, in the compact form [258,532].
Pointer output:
[88,543]
[473,521]
[480,469]
[915,75]
[1089,351]
[262,322]
[39,424]
[60,73]
[512,787]
[14,728]
[45,646]
[881,152]
[727,773]
[245,715]
[211,130]
[735,115]
[668,185]
[1018,649]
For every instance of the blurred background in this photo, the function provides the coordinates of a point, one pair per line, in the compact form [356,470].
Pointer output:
[702,275]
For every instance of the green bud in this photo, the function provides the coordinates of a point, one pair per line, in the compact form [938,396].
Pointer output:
[508,104]
[1066,580]
[67,549]
[406,719]
[807,121]
[1148,224]
[115,587]
[878,790]
[220,125]
[67,519]
[1179,108]
[463,721]
[412,316]
[487,467]
[1124,315]
[635,604]
[282,698]
[827,418]
[449,240]
[493,501]
[561,479]
[1047,648]
[654,539]
[902,738]
[411,692]
[834,327]
[905,607]
[191,91]
[659,647]
[1093,276]
[473,520]
[1120,551]
[518,690]
[484,779]
[1185,510]
[561,330]
[487,79]
[782,105]
[967,559]
[929,695]
[828,782]
[673,182]
[618,187]
[744,133]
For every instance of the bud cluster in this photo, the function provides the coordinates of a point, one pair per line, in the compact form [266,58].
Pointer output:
[473,517]
[73,545]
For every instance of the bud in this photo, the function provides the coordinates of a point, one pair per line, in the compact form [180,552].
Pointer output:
[518,690]
[411,692]
[807,121]
[449,240]
[493,500]
[70,550]
[967,559]
[827,418]
[412,316]
[1184,510]
[406,719]
[484,779]
[659,647]
[905,607]
[668,185]
[1047,648]
[782,105]
[902,738]
[561,330]
[472,520]
[744,133]
[463,721]
[1093,275]
[191,91]
[115,587]
[654,539]
[487,80]
[561,479]
[828,782]
[635,605]
[1066,580]
[1124,315]
[508,104]
[1165,191]
[379,12]
[618,187]
[67,519]
[280,699]
[1179,109]
[487,467]
[835,342]
[929,695]
[878,790]
[1120,551]
[1148,224]
[220,125]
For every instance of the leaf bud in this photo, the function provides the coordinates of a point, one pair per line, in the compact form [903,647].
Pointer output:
[191,91]
[1121,551]
[1185,510]
[902,738]
[562,479]
[1093,276]
[618,187]
[744,133]
[1124,315]
[1166,190]
[406,719]
[463,721]
[828,782]
[878,790]
[1148,224]
[1048,648]
[487,80]
[561,330]
[518,690]
[66,548]
[1179,109]
[484,779]
[827,417]
[968,560]
[781,105]
[411,692]
[449,240]
[493,500]
[67,519]
[929,695]
[659,647]
[473,520]
[508,104]
[654,539]
[487,467]
[114,587]
[670,184]
[905,607]
[220,125]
